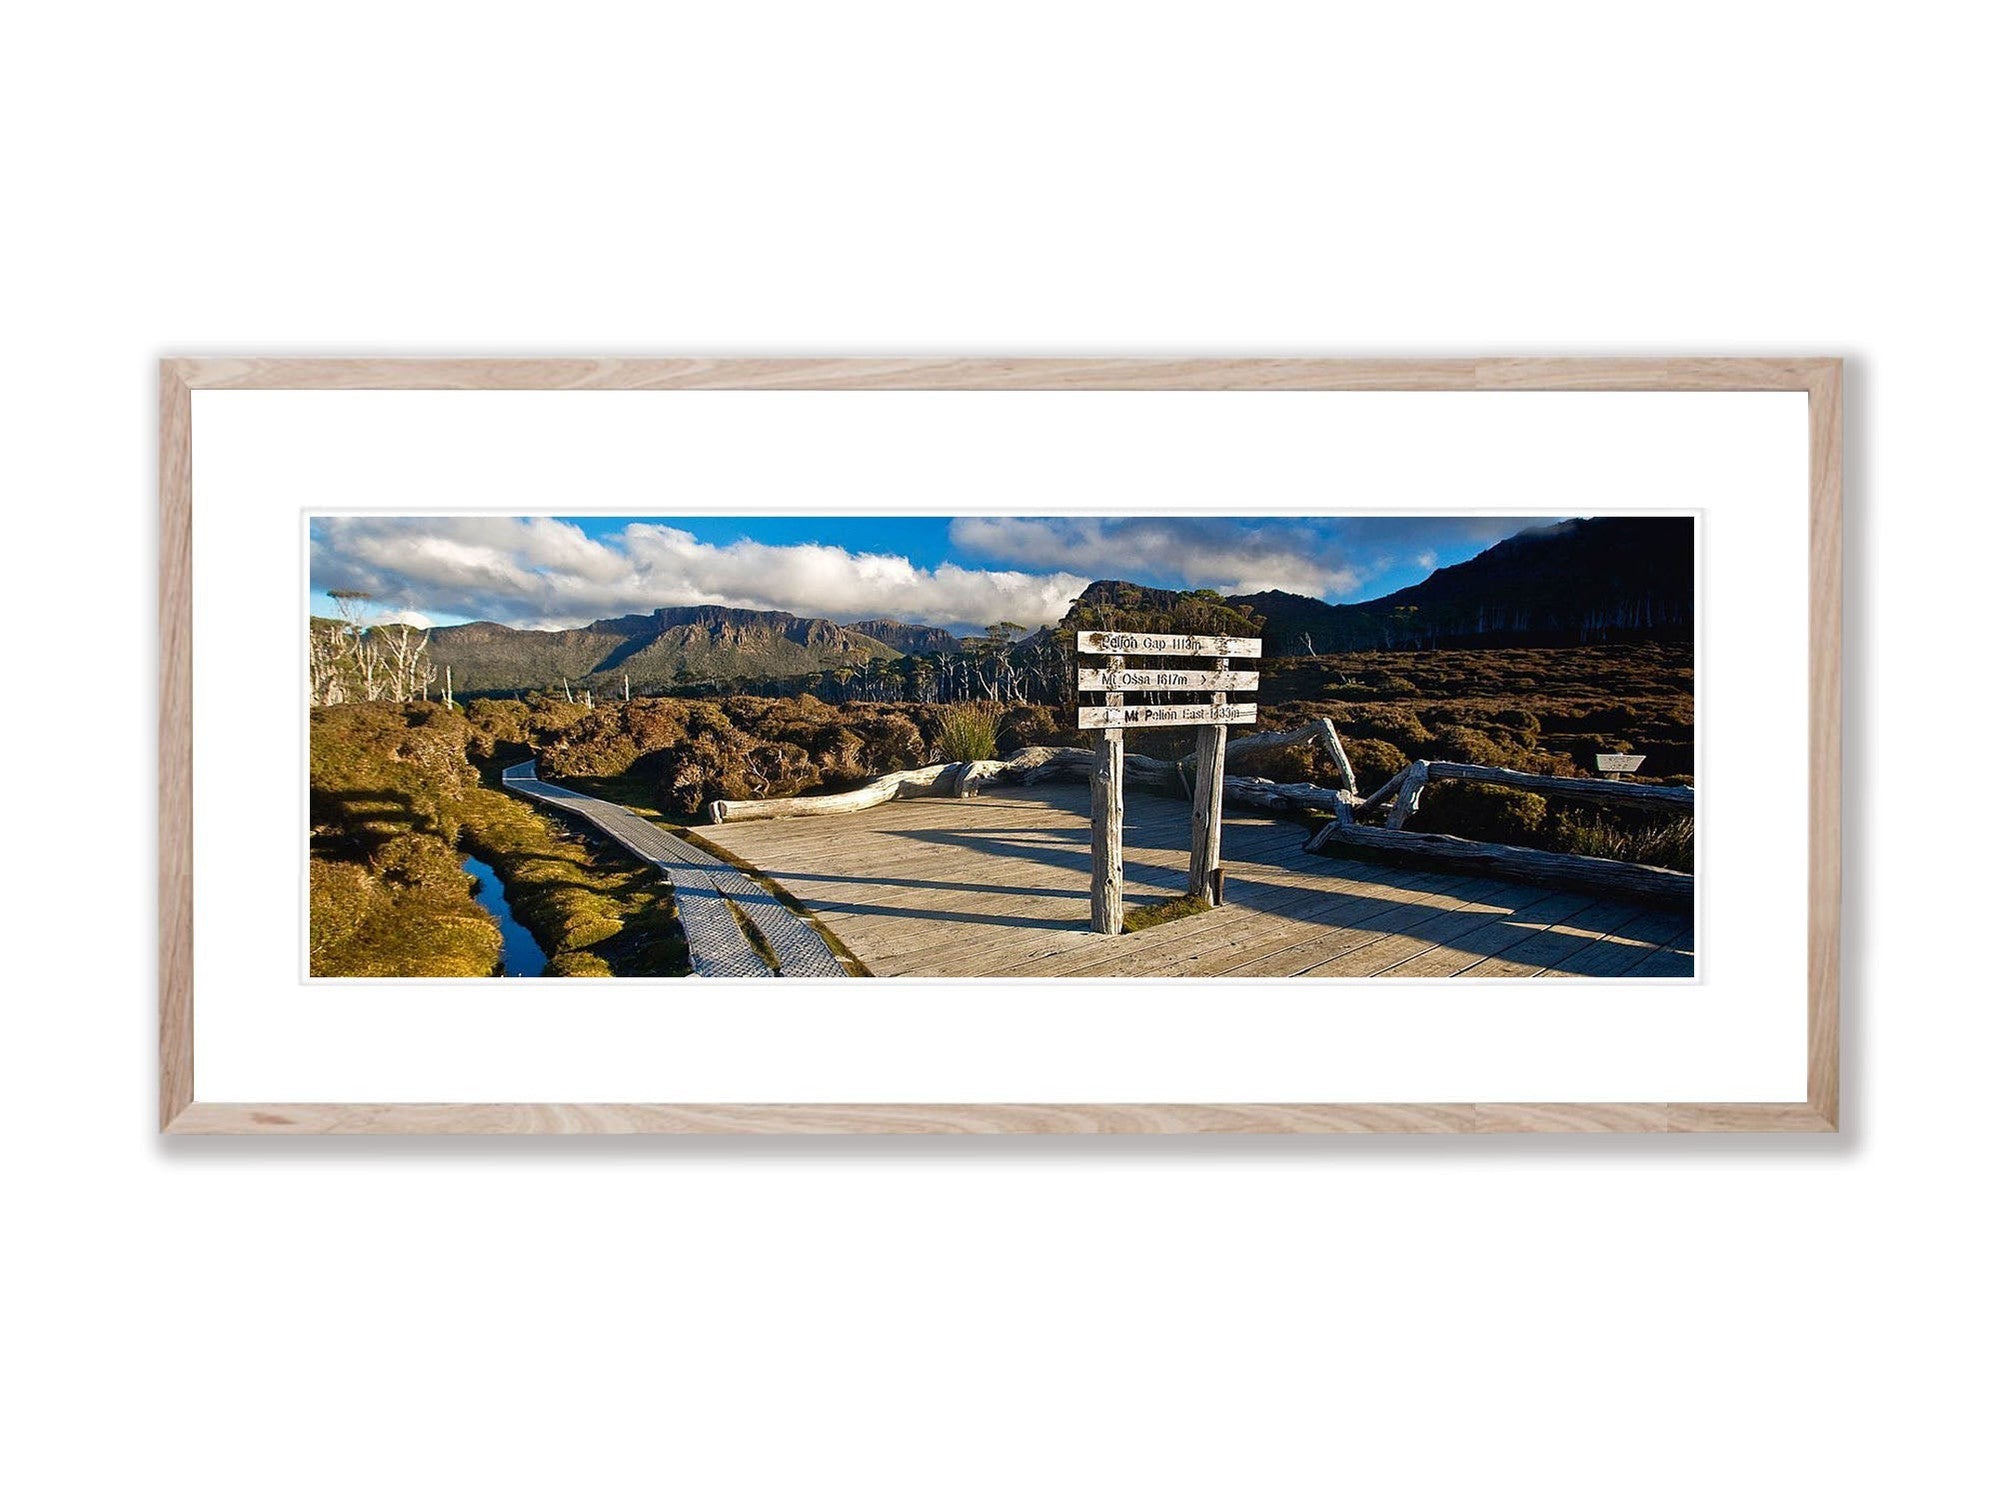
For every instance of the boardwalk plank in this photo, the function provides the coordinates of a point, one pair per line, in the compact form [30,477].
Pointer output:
[707,892]
[1491,900]
[998,886]
[1615,954]
[1671,959]
[1389,914]
[1505,929]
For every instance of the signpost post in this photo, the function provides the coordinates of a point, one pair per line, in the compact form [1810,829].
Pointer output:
[1215,681]
[1107,817]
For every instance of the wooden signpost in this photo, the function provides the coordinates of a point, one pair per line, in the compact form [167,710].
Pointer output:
[1214,681]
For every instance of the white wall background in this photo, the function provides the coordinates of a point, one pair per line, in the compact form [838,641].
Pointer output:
[991,1317]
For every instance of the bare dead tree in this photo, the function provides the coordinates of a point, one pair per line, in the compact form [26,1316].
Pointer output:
[325,666]
[406,660]
[364,657]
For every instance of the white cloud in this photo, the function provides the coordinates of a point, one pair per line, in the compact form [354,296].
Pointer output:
[1233,556]
[547,573]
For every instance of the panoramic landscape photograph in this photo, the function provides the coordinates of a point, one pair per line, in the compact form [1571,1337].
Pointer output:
[994,747]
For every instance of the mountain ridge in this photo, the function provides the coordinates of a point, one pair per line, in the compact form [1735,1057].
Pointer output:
[1581,581]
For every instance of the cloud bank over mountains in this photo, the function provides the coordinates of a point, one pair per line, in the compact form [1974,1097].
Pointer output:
[539,572]
[543,572]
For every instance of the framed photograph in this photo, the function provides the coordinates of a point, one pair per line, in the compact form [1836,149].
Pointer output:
[992,745]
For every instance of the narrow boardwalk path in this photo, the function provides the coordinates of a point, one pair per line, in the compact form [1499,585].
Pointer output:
[704,891]
[998,886]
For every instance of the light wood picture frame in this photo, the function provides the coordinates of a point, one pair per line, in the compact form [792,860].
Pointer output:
[183,1110]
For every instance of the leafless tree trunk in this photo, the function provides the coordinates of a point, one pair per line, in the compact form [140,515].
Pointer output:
[406,660]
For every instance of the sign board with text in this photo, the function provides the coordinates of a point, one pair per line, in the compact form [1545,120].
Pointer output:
[1089,679]
[1137,643]
[1164,716]
[1619,765]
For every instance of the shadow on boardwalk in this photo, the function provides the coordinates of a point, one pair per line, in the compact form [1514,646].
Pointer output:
[998,886]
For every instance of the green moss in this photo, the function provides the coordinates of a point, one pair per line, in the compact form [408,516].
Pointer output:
[396,804]
[1138,918]
[579,894]
[364,926]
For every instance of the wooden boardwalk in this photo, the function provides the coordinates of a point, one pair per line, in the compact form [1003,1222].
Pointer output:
[998,886]
[718,905]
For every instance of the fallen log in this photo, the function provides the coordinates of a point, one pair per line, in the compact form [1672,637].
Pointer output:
[930,780]
[1387,789]
[1535,866]
[1410,796]
[1320,729]
[1043,762]
[1573,788]
[1286,796]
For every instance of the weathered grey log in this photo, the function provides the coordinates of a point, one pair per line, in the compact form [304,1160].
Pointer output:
[1411,794]
[973,774]
[921,782]
[1383,792]
[1338,751]
[1044,762]
[1041,762]
[1573,788]
[1320,729]
[1533,865]
[1160,775]
[1107,823]
[1281,796]
[1204,861]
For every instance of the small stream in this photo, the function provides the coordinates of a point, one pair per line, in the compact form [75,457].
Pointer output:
[521,956]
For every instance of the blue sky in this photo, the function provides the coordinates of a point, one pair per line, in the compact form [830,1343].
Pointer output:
[961,573]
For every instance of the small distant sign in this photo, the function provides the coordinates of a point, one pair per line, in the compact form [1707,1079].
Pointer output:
[1619,765]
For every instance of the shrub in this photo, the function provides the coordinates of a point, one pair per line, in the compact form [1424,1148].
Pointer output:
[1395,722]
[1490,814]
[1471,747]
[1374,761]
[1284,762]
[1031,723]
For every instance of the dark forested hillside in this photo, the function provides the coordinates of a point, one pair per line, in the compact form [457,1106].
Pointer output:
[1570,583]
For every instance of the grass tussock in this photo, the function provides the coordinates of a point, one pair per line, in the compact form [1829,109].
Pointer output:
[1669,844]
[969,731]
